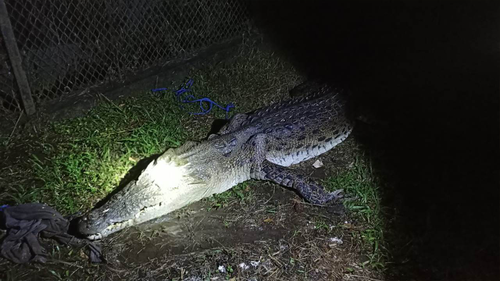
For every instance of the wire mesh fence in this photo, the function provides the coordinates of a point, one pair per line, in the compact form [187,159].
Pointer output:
[68,45]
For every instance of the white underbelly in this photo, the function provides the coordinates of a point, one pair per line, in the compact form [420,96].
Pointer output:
[288,159]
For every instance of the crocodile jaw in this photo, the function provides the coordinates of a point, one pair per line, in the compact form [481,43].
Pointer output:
[167,184]
[146,214]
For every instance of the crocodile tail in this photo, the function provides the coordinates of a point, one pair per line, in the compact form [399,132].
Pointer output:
[310,91]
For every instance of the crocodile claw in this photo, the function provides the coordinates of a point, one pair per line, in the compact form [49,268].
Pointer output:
[323,199]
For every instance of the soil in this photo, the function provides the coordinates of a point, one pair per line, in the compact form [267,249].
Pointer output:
[269,234]
[428,69]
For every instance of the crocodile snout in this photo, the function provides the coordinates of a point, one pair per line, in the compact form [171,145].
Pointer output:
[90,225]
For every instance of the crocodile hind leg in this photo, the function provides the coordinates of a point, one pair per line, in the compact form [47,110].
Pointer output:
[309,189]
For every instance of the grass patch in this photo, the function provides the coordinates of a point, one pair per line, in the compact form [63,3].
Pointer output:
[360,183]
[241,193]
[77,162]
[83,159]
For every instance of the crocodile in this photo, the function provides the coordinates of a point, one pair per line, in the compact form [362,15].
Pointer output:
[259,145]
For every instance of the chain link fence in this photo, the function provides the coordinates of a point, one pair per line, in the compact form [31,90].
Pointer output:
[68,45]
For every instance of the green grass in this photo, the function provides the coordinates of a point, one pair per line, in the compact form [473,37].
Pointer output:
[241,193]
[77,162]
[362,192]
[83,159]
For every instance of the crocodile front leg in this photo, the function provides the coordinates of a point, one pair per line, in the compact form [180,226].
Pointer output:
[234,124]
[309,189]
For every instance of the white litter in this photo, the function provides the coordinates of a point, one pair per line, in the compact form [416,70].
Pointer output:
[318,164]
[243,266]
[336,240]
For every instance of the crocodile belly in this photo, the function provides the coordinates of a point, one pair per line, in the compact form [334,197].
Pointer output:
[292,156]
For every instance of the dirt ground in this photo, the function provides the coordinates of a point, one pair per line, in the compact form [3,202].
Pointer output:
[425,68]
[269,233]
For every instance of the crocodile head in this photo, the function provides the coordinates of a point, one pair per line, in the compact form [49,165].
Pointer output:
[160,189]
[175,179]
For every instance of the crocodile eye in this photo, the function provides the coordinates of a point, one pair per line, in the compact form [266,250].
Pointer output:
[219,145]
[233,142]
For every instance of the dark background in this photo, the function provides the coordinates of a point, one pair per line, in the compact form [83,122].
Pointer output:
[427,72]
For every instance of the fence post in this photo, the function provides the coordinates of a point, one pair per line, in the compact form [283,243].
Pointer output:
[16,60]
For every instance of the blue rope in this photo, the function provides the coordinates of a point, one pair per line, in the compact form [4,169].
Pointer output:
[3,207]
[182,97]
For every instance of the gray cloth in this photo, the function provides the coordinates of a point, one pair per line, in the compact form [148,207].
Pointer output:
[26,223]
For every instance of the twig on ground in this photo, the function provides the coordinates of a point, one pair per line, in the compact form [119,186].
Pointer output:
[15,127]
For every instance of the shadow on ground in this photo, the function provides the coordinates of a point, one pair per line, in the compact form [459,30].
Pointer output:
[428,71]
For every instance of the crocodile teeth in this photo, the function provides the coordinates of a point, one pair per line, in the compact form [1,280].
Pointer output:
[96,236]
